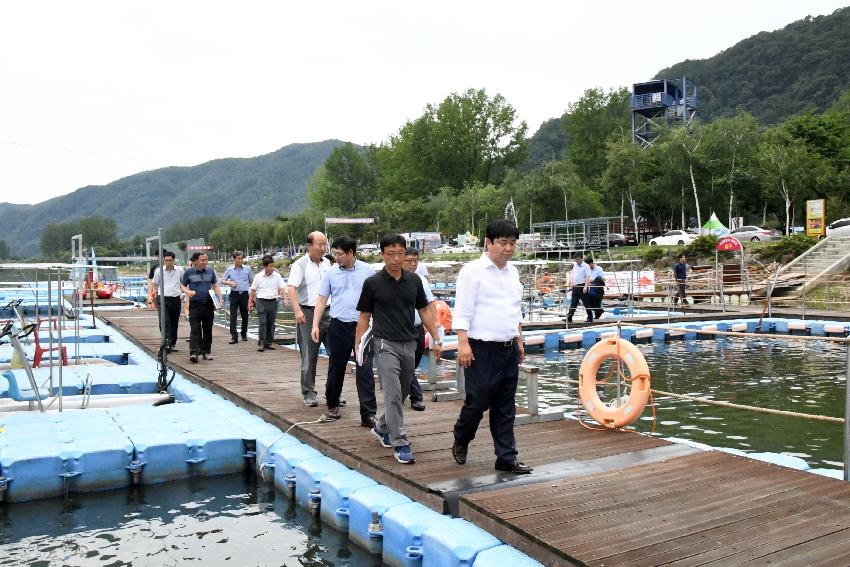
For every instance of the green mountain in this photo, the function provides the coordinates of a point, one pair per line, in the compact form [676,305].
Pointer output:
[258,187]
[804,66]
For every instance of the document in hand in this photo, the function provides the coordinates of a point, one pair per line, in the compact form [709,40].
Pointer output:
[215,300]
[360,355]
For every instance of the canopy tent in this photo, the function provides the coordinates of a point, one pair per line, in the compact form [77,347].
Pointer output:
[714,226]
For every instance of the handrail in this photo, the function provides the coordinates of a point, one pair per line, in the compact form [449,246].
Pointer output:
[823,242]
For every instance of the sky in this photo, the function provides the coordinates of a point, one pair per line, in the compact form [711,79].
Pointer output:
[93,91]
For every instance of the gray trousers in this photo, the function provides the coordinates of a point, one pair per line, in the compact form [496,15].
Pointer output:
[267,314]
[310,350]
[394,363]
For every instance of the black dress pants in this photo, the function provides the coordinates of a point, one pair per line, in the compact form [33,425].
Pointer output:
[201,315]
[171,318]
[340,340]
[415,388]
[579,295]
[238,303]
[491,382]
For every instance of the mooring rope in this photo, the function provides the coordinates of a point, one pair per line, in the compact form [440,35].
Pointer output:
[721,403]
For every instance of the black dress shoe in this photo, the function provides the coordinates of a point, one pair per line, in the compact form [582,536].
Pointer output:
[193,358]
[459,453]
[233,341]
[370,421]
[515,467]
[417,405]
[260,349]
[244,337]
[207,357]
[173,349]
[269,347]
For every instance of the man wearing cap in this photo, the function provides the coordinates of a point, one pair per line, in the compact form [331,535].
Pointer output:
[239,278]
[266,288]
[304,279]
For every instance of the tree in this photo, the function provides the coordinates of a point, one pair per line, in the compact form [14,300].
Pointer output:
[467,138]
[594,120]
[347,182]
[4,250]
[731,145]
[790,169]
[96,230]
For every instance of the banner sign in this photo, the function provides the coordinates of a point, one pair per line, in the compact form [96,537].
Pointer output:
[638,281]
[815,217]
[728,244]
[341,220]
[199,247]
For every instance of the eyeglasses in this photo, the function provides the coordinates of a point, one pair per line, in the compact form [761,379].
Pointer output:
[393,254]
[339,253]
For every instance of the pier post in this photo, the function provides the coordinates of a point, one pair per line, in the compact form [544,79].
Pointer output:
[531,374]
[847,413]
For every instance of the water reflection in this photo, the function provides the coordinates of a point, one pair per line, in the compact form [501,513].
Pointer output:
[211,521]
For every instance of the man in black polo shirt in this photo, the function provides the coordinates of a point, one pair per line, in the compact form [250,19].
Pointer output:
[196,284]
[390,298]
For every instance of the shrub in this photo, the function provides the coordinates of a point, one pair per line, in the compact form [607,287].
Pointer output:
[786,249]
[653,253]
[701,247]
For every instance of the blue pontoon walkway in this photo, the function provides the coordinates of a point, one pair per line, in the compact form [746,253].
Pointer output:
[595,498]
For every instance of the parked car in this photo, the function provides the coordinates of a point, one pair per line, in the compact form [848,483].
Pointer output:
[445,249]
[839,227]
[673,238]
[617,239]
[754,233]
[369,250]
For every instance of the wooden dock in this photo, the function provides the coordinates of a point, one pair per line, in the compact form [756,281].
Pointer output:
[595,498]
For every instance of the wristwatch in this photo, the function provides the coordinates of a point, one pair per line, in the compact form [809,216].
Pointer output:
[438,343]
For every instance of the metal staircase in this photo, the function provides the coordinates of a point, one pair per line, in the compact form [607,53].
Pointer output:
[829,256]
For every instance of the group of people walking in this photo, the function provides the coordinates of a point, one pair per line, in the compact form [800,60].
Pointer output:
[587,284]
[382,318]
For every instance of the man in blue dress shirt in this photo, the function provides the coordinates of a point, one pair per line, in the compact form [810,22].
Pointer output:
[342,284]
[239,278]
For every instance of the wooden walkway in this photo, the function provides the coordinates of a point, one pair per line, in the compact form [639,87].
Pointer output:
[595,497]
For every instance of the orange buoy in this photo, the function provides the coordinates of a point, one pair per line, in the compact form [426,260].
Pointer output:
[545,283]
[624,412]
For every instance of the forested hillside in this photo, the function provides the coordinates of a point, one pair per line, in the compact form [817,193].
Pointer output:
[259,187]
[805,66]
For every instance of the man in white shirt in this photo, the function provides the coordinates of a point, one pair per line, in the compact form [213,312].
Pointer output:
[487,319]
[171,300]
[266,288]
[579,281]
[596,289]
[304,279]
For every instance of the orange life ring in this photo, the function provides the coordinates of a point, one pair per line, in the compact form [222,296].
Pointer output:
[544,283]
[624,413]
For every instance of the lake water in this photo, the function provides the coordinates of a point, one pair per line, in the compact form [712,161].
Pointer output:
[807,377]
[226,520]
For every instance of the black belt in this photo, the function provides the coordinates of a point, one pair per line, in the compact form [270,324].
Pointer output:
[306,306]
[266,299]
[498,344]
[234,291]
[346,323]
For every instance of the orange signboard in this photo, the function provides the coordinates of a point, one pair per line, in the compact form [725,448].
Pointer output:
[815,217]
